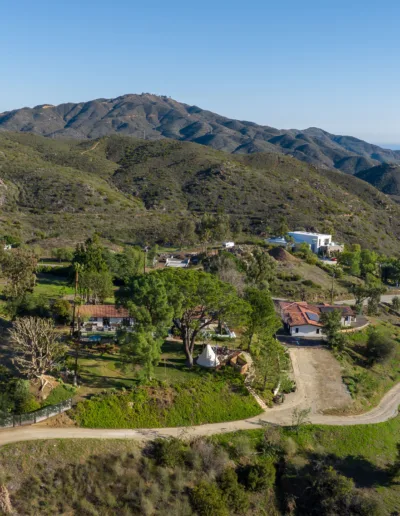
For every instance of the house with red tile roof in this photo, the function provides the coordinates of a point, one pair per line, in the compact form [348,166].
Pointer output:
[102,316]
[303,319]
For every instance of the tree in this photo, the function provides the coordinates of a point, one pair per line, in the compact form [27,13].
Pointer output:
[261,317]
[261,268]
[234,494]
[227,268]
[283,228]
[186,231]
[198,300]
[37,346]
[374,294]
[61,310]
[396,303]
[368,263]
[146,299]
[331,322]
[128,263]
[63,254]
[141,349]
[18,266]
[95,286]
[350,259]
[90,255]
[380,347]
[360,294]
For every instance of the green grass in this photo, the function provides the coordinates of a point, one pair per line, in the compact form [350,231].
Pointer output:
[367,384]
[52,287]
[59,394]
[209,397]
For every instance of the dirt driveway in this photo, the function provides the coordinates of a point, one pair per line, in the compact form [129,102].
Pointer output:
[319,374]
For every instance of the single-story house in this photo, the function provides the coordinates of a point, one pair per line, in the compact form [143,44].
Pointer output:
[177,262]
[303,319]
[102,316]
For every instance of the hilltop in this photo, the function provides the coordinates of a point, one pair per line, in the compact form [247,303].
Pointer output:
[154,117]
[385,177]
[60,191]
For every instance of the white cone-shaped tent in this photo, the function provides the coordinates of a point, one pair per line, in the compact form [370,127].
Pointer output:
[208,358]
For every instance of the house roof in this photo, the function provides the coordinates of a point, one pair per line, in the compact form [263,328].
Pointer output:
[102,311]
[301,314]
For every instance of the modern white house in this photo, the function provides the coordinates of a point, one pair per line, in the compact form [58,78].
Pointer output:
[314,240]
[303,320]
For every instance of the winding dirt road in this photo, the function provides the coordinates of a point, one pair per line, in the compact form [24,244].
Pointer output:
[304,397]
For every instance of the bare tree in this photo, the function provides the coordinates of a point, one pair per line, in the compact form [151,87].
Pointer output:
[37,346]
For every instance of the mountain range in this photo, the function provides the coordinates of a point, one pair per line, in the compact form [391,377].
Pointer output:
[154,117]
[55,192]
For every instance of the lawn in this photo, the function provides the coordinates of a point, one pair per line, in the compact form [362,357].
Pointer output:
[52,287]
[207,397]
[367,384]
[106,371]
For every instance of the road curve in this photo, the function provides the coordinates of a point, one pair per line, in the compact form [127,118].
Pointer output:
[279,415]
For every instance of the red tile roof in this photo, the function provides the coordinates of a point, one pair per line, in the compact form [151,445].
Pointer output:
[300,314]
[102,311]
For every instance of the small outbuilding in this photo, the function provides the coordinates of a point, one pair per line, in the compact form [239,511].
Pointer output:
[208,358]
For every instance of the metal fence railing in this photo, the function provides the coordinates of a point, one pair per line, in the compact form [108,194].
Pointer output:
[12,420]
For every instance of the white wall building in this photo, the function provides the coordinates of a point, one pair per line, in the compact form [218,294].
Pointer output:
[314,240]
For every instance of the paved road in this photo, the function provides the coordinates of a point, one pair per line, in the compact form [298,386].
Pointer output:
[279,415]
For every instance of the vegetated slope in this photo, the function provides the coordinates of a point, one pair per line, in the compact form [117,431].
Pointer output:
[136,191]
[385,177]
[154,117]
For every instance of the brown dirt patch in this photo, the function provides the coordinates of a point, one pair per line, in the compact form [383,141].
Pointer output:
[281,255]
[59,421]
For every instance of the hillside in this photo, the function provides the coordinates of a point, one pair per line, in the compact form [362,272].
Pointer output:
[55,192]
[153,117]
[385,177]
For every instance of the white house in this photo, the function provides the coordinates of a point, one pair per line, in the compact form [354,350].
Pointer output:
[314,240]
[228,245]
[102,316]
[177,262]
[303,320]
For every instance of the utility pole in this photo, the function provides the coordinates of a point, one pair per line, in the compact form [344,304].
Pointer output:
[333,277]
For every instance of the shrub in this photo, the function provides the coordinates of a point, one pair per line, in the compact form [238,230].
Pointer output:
[396,303]
[379,347]
[257,477]
[207,500]
[168,452]
[235,496]
[30,404]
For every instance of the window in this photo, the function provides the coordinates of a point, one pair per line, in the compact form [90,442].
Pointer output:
[318,331]
[296,330]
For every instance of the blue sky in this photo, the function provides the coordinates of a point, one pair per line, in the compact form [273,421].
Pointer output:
[286,64]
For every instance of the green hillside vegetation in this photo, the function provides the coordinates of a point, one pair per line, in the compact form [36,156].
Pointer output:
[311,470]
[385,177]
[57,192]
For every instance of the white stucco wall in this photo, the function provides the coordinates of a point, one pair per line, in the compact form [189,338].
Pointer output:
[305,331]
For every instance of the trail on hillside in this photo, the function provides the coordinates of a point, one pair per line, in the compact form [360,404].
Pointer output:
[280,415]
[93,147]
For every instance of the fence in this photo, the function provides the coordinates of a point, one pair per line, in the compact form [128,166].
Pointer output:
[13,420]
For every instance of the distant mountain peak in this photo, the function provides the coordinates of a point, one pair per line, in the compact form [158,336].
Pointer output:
[153,117]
